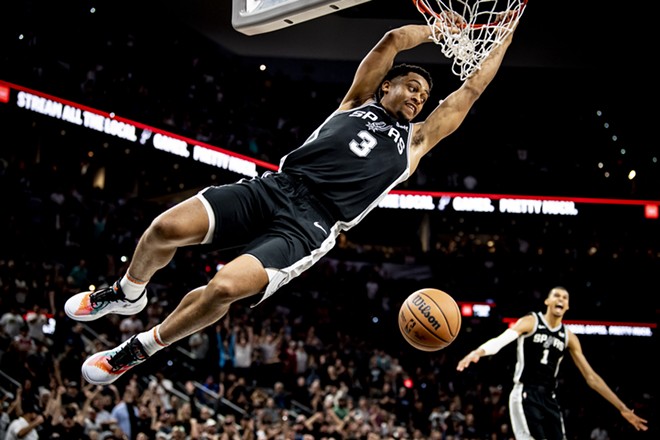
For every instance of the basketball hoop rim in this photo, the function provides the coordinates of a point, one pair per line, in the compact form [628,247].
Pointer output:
[421,7]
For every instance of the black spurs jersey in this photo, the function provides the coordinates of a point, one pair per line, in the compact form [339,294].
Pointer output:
[353,160]
[540,353]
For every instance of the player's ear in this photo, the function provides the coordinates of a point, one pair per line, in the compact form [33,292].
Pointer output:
[385,87]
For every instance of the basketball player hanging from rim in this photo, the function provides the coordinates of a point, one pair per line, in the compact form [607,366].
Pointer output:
[289,219]
[542,342]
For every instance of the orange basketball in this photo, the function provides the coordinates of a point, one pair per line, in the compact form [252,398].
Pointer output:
[429,319]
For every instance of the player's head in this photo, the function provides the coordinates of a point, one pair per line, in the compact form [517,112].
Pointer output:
[557,301]
[404,90]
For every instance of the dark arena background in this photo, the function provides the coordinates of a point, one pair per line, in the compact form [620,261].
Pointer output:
[111,113]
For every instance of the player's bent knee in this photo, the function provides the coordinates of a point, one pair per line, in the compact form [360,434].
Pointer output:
[172,230]
[222,292]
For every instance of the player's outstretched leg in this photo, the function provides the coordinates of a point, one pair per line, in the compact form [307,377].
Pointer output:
[105,367]
[88,306]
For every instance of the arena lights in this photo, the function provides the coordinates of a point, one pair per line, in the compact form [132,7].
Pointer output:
[476,309]
[478,203]
[131,131]
[604,328]
[504,204]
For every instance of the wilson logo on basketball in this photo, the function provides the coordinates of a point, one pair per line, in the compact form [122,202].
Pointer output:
[425,310]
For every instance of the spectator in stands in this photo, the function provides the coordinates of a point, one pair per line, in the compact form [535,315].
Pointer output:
[154,312]
[299,393]
[289,362]
[238,391]
[302,358]
[269,344]
[130,326]
[199,345]
[68,423]
[160,387]
[599,433]
[78,277]
[270,413]
[403,405]
[26,425]
[225,344]
[243,351]
[12,322]
[205,414]
[5,419]
[101,403]
[72,394]
[24,344]
[144,422]
[91,421]
[125,412]
[35,320]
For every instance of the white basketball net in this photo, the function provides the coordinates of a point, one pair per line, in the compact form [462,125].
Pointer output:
[467,30]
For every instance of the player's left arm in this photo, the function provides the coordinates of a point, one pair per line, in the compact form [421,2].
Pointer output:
[450,112]
[597,383]
[494,345]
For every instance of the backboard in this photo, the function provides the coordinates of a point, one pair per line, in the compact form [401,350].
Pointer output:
[252,17]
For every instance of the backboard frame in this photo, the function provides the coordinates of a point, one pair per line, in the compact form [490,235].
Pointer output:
[253,17]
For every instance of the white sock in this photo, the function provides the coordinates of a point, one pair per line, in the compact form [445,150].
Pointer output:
[151,340]
[132,287]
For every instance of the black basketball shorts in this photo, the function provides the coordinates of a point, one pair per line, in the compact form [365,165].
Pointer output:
[535,414]
[276,219]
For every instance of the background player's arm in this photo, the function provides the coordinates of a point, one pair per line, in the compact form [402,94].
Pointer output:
[450,112]
[597,383]
[492,346]
[379,61]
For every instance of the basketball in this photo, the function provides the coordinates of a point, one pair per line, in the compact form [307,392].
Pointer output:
[429,319]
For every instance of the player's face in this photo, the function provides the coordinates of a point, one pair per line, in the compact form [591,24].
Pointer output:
[405,96]
[557,302]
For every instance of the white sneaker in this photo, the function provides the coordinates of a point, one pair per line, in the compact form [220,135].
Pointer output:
[105,367]
[88,306]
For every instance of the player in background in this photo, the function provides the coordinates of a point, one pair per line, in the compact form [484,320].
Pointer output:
[542,342]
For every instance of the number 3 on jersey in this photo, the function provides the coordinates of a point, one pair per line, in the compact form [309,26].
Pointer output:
[363,148]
